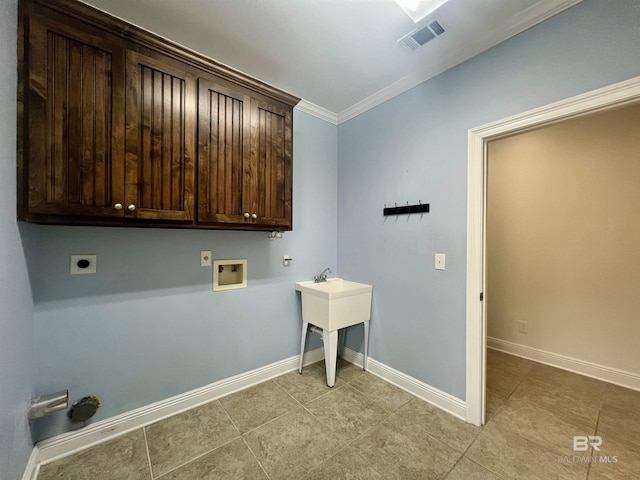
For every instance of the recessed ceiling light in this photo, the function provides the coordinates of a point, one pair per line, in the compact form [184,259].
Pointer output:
[418,9]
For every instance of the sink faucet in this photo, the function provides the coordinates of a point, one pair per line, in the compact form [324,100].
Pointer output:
[323,276]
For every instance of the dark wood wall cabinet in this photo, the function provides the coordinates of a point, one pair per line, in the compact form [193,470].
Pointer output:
[117,126]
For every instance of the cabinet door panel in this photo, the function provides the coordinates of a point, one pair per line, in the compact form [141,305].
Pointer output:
[75,141]
[160,139]
[223,151]
[271,160]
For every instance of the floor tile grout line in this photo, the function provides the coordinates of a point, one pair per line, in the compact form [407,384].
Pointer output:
[304,407]
[596,428]
[553,413]
[464,454]
[257,459]
[228,416]
[198,457]
[208,451]
[285,390]
[348,444]
[270,421]
[146,447]
[386,415]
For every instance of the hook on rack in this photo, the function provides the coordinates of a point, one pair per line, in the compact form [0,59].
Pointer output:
[419,208]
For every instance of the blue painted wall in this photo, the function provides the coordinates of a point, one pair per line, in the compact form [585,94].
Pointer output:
[148,326]
[414,147]
[16,306]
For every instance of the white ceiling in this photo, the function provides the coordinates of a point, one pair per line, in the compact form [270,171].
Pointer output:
[339,56]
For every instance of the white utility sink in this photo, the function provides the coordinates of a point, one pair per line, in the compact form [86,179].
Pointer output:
[336,303]
[332,305]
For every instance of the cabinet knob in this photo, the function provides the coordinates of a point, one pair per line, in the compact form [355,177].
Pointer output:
[118,206]
[131,207]
[246,215]
[254,216]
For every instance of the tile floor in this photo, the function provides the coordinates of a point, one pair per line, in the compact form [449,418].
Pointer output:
[294,427]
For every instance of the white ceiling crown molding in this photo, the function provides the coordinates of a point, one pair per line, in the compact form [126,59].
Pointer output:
[354,43]
[524,20]
[317,111]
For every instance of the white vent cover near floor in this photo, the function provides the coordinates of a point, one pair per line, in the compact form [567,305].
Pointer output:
[429,30]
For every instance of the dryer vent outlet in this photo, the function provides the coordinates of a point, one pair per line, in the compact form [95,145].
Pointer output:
[83,409]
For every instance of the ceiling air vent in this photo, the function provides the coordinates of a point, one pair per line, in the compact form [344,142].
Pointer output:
[417,38]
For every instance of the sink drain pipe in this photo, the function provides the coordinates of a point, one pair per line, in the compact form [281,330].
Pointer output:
[315,329]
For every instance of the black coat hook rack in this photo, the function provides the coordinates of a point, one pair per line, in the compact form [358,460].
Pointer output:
[403,210]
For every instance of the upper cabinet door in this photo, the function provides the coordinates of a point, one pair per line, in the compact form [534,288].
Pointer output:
[160,138]
[74,105]
[114,121]
[271,163]
[223,153]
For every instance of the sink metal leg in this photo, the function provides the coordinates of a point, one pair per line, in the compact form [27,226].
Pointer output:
[330,340]
[303,340]
[366,345]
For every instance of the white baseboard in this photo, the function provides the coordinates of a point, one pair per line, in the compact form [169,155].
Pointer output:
[68,443]
[426,392]
[600,372]
[33,465]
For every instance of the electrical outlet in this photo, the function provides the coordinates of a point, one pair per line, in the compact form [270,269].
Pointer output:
[523,327]
[205,258]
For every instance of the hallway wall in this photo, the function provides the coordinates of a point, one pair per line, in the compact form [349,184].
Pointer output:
[563,229]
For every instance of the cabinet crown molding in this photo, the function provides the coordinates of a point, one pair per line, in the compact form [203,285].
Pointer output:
[117,26]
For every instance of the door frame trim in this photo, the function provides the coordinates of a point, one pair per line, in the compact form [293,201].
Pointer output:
[607,98]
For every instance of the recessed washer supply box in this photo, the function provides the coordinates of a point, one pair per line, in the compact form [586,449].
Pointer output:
[229,274]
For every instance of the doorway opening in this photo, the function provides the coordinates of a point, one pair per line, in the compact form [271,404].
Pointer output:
[615,96]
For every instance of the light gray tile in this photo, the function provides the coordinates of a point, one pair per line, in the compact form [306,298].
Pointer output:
[347,412]
[510,455]
[498,358]
[346,465]
[621,397]
[231,461]
[383,393]
[465,469]
[257,405]
[616,460]
[291,445]
[401,451]
[493,403]
[346,371]
[183,437]
[123,458]
[503,379]
[308,385]
[565,402]
[563,380]
[548,430]
[620,414]
[452,431]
